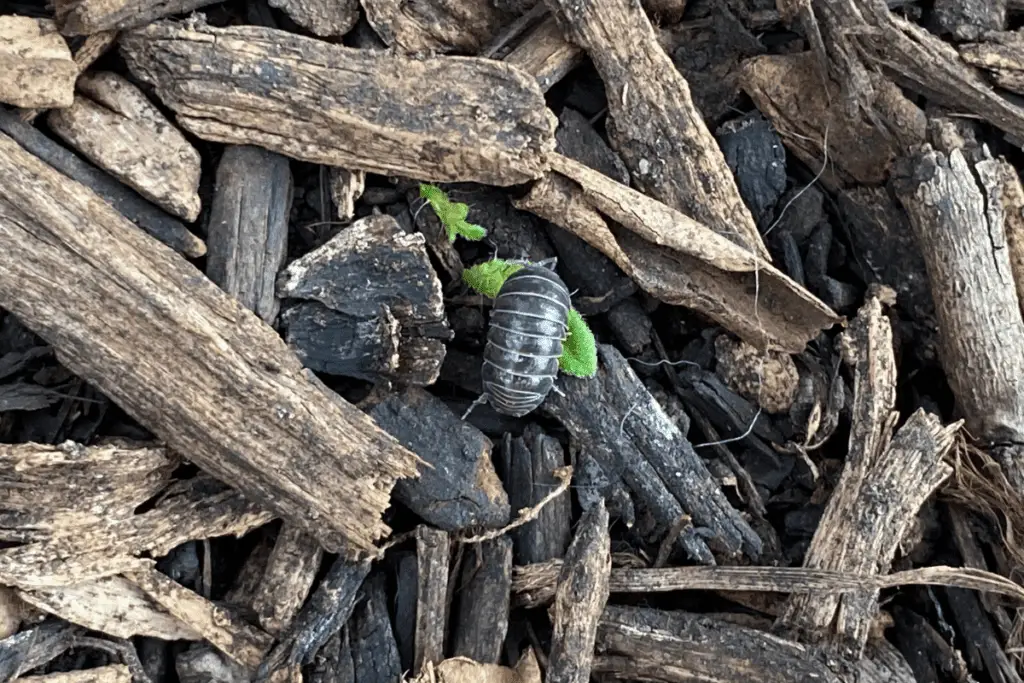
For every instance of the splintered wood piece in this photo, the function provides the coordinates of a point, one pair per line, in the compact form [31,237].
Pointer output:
[36,68]
[441,119]
[861,41]
[92,48]
[432,553]
[109,298]
[290,571]
[956,207]
[885,481]
[545,54]
[374,650]
[485,580]
[346,189]
[436,25]
[677,647]
[113,605]
[112,673]
[243,643]
[247,232]
[339,344]
[614,417]
[1001,55]
[580,598]
[59,491]
[459,488]
[321,617]
[199,508]
[327,18]
[375,280]
[679,260]
[652,121]
[113,125]
[528,463]
[84,17]
[134,207]
[805,111]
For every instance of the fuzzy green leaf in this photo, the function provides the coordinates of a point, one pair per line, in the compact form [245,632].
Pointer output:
[451,214]
[579,351]
[488,277]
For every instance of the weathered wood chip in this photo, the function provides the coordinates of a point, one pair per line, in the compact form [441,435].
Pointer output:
[91,49]
[437,119]
[652,121]
[679,260]
[1001,55]
[436,25]
[546,54]
[126,314]
[289,575]
[36,68]
[432,559]
[112,673]
[327,18]
[113,124]
[85,17]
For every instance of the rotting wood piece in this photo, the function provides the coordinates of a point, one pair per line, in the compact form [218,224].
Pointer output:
[459,488]
[380,280]
[614,418]
[676,647]
[113,125]
[886,479]
[652,121]
[432,553]
[580,598]
[109,298]
[955,202]
[134,207]
[437,26]
[1001,55]
[92,48]
[679,260]
[790,92]
[85,17]
[327,18]
[289,575]
[247,231]
[527,464]
[439,119]
[193,509]
[323,615]
[485,579]
[36,68]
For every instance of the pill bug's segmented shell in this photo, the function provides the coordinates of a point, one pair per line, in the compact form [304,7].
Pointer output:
[524,341]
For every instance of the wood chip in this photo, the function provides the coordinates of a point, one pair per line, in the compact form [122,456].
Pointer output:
[652,121]
[679,260]
[112,673]
[885,481]
[546,54]
[327,18]
[92,48]
[439,119]
[314,459]
[432,553]
[580,598]
[287,579]
[346,189]
[85,17]
[113,124]
[485,579]
[247,232]
[436,25]
[36,68]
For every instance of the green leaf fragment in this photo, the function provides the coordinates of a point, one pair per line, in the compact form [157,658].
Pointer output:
[579,351]
[451,214]
[488,277]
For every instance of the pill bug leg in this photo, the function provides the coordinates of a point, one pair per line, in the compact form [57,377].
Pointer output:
[482,399]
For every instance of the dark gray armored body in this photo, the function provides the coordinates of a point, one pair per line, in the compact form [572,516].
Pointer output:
[524,342]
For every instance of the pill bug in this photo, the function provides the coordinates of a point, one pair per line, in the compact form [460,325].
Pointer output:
[524,341]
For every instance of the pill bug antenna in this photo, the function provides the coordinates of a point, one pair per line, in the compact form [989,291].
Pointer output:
[548,263]
[422,205]
[482,399]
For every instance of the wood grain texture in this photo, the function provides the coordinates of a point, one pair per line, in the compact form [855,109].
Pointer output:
[652,121]
[247,231]
[289,575]
[327,18]
[113,125]
[127,314]
[432,559]
[36,68]
[439,119]
[479,632]
[437,26]
[546,54]
[86,17]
